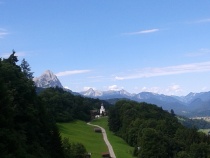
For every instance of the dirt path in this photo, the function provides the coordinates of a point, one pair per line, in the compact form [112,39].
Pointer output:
[111,151]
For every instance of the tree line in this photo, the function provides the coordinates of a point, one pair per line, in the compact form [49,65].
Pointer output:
[156,133]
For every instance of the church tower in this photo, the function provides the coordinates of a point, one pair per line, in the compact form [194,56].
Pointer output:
[102,110]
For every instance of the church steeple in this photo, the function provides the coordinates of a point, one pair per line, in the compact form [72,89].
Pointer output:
[102,110]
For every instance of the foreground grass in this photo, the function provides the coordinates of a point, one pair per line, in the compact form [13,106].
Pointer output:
[120,147]
[80,132]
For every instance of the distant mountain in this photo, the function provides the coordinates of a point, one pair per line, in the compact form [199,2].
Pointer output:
[92,93]
[191,97]
[47,79]
[193,104]
[106,94]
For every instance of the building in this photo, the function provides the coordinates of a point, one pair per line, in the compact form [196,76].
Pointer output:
[94,114]
[105,155]
[98,130]
[102,110]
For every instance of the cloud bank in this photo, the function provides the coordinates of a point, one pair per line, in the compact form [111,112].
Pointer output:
[163,71]
[73,72]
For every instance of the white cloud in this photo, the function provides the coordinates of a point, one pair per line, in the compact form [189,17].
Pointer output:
[67,87]
[87,88]
[96,77]
[142,32]
[3,33]
[204,88]
[119,78]
[199,21]
[114,88]
[151,89]
[72,72]
[203,20]
[173,89]
[163,71]
[200,52]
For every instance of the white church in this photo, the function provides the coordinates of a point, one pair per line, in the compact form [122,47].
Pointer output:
[102,110]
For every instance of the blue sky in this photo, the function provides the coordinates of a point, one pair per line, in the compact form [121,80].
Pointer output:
[158,46]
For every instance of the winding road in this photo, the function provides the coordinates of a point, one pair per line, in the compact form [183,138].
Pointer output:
[111,151]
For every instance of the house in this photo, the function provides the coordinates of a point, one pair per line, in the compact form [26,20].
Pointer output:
[105,155]
[97,130]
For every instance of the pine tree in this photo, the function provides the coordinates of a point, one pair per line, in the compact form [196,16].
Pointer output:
[26,69]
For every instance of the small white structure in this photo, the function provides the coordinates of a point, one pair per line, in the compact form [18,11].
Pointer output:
[97,116]
[102,110]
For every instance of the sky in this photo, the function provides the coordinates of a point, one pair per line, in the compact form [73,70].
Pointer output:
[155,46]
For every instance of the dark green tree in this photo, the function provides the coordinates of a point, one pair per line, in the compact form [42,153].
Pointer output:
[26,69]
[172,112]
[73,150]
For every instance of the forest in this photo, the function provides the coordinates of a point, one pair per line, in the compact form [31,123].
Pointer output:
[64,106]
[28,120]
[156,133]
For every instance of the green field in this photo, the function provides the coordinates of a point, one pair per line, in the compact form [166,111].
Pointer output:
[121,148]
[80,132]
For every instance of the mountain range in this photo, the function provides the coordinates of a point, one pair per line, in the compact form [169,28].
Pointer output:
[190,105]
[193,104]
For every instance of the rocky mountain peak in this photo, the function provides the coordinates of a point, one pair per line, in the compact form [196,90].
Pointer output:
[47,79]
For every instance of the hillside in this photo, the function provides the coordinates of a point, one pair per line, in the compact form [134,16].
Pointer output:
[79,131]
[155,132]
[121,148]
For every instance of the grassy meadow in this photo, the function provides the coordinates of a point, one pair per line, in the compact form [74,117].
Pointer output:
[80,132]
[121,148]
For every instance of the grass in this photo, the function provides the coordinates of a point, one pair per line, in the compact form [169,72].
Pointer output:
[80,132]
[204,131]
[121,148]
